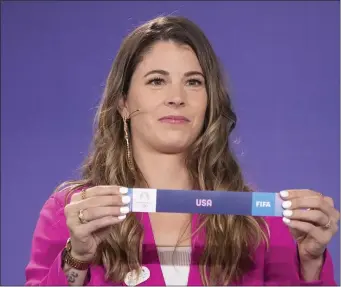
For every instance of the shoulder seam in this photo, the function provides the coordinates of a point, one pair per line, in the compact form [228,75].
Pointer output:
[58,211]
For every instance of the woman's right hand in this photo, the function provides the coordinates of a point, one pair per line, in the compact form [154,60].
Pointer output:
[102,207]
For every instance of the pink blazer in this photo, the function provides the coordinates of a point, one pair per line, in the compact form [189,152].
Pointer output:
[277,266]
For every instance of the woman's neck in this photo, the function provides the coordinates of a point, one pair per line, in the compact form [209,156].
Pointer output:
[164,171]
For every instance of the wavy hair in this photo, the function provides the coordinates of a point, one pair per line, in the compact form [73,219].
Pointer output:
[210,161]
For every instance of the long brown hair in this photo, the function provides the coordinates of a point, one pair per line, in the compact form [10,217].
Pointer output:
[211,164]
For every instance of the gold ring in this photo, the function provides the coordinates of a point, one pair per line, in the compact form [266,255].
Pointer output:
[83,194]
[81,216]
[328,225]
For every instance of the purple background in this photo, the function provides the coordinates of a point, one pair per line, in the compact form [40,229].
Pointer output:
[282,60]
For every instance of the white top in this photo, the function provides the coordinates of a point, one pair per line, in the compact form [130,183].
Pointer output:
[175,264]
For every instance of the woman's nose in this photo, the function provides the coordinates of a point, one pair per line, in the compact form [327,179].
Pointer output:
[176,98]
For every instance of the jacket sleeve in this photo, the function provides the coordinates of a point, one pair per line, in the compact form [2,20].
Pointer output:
[282,266]
[49,239]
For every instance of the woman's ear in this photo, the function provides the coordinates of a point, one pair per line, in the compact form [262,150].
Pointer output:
[122,107]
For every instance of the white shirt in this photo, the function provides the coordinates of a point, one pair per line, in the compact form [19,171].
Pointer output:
[175,264]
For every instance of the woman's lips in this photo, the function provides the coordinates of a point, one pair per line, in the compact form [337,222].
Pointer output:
[174,119]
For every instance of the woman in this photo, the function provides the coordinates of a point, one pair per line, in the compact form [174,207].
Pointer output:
[164,123]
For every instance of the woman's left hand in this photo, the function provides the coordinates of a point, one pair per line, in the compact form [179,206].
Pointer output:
[312,220]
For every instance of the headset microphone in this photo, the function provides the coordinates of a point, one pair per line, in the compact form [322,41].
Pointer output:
[134,112]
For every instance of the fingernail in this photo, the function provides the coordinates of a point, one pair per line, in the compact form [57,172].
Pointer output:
[286,204]
[284,193]
[286,220]
[121,217]
[287,212]
[125,199]
[124,209]
[123,190]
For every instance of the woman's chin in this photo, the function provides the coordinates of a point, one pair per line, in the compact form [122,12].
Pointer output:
[173,147]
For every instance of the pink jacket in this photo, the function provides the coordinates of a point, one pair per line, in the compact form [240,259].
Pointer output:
[277,266]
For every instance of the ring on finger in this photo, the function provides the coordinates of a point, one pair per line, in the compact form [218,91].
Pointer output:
[83,194]
[81,216]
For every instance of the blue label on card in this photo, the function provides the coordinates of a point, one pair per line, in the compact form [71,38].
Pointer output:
[263,203]
[204,202]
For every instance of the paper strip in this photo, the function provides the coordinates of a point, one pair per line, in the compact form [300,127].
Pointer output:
[205,202]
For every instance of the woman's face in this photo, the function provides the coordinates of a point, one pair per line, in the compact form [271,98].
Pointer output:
[168,87]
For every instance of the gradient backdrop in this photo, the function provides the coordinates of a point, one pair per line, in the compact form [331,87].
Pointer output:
[282,60]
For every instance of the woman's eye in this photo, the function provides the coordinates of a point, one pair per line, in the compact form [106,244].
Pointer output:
[194,82]
[156,82]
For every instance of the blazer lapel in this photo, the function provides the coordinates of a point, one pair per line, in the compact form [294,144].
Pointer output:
[150,257]
[198,241]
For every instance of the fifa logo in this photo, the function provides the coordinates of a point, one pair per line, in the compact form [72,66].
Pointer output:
[203,202]
[263,204]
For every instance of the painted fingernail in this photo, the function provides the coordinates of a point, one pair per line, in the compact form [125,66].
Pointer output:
[284,193]
[125,199]
[287,212]
[124,209]
[286,220]
[121,217]
[123,190]
[286,204]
